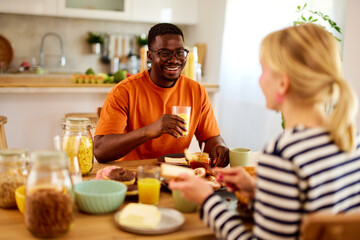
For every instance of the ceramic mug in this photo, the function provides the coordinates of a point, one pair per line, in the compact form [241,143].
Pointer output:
[181,204]
[240,157]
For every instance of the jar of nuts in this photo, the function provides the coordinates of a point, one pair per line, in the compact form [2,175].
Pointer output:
[71,128]
[49,210]
[13,174]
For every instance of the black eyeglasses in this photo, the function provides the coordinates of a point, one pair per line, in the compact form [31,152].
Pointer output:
[165,54]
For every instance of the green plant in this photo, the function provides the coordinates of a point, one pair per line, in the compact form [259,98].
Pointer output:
[95,38]
[310,16]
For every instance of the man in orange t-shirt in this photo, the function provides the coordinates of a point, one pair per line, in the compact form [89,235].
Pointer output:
[136,120]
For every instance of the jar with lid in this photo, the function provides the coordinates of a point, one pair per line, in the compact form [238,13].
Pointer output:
[71,128]
[13,174]
[49,210]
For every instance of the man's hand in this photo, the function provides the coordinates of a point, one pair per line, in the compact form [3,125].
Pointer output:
[167,124]
[220,156]
[219,153]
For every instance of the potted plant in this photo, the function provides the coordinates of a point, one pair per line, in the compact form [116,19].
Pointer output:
[95,40]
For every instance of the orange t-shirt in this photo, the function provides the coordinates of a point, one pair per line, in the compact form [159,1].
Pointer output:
[137,102]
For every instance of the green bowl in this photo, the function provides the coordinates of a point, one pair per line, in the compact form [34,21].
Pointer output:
[99,196]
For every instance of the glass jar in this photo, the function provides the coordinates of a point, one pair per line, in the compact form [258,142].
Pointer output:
[49,210]
[73,127]
[13,174]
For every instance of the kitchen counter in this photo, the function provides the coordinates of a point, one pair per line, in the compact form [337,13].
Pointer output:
[57,83]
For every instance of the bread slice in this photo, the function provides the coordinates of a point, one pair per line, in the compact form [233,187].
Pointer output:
[176,160]
[173,171]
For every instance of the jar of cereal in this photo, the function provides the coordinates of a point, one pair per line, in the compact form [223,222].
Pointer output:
[49,197]
[71,128]
[13,174]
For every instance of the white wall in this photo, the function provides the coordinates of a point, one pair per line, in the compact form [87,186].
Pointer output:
[209,30]
[244,119]
[351,53]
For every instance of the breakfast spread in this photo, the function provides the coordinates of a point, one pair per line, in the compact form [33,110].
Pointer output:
[140,215]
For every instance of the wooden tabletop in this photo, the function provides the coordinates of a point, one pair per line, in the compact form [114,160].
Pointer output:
[98,227]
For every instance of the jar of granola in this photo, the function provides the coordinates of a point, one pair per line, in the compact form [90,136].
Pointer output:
[71,128]
[49,210]
[13,174]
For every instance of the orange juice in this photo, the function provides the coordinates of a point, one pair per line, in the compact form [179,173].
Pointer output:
[186,117]
[149,190]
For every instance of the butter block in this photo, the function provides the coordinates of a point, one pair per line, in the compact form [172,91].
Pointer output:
[140,215]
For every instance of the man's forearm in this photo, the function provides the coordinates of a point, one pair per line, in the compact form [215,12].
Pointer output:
[114,146]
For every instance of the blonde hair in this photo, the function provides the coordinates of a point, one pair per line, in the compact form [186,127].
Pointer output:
[310,56]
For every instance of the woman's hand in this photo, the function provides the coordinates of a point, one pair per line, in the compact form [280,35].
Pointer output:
[192,188]
[237,179]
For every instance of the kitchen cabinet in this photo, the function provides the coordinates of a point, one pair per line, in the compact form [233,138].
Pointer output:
[154,11]
[174,11]
[104,9]
[36,7]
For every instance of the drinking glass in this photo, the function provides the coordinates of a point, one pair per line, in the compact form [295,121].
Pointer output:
[148,182]
[184,113]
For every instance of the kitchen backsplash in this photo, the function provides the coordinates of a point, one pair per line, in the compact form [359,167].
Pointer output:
[26,31]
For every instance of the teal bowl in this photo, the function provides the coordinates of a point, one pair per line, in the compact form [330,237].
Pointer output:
[99,196]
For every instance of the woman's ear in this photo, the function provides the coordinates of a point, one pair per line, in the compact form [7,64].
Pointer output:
[284,84]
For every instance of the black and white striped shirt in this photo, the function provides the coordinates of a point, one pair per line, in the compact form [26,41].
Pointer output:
[300,172]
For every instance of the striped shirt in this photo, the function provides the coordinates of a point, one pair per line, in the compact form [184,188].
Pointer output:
[300,172]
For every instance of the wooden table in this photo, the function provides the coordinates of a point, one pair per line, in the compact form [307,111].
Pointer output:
[99,227]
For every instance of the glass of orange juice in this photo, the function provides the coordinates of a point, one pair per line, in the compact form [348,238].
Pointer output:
[184,113]
[148,181]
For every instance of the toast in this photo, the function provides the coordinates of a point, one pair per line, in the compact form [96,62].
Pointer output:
[173,171]
[176,160]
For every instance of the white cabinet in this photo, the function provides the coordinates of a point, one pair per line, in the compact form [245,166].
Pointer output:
[152,11]
[37,7]
[104,9]
[173,11]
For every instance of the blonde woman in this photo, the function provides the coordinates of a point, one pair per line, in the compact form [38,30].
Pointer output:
[314,165]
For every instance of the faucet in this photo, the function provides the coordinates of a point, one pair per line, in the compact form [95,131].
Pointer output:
[62,58]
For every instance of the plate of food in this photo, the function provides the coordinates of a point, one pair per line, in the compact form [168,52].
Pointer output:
[120,174]
[147,219]
[175,159]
